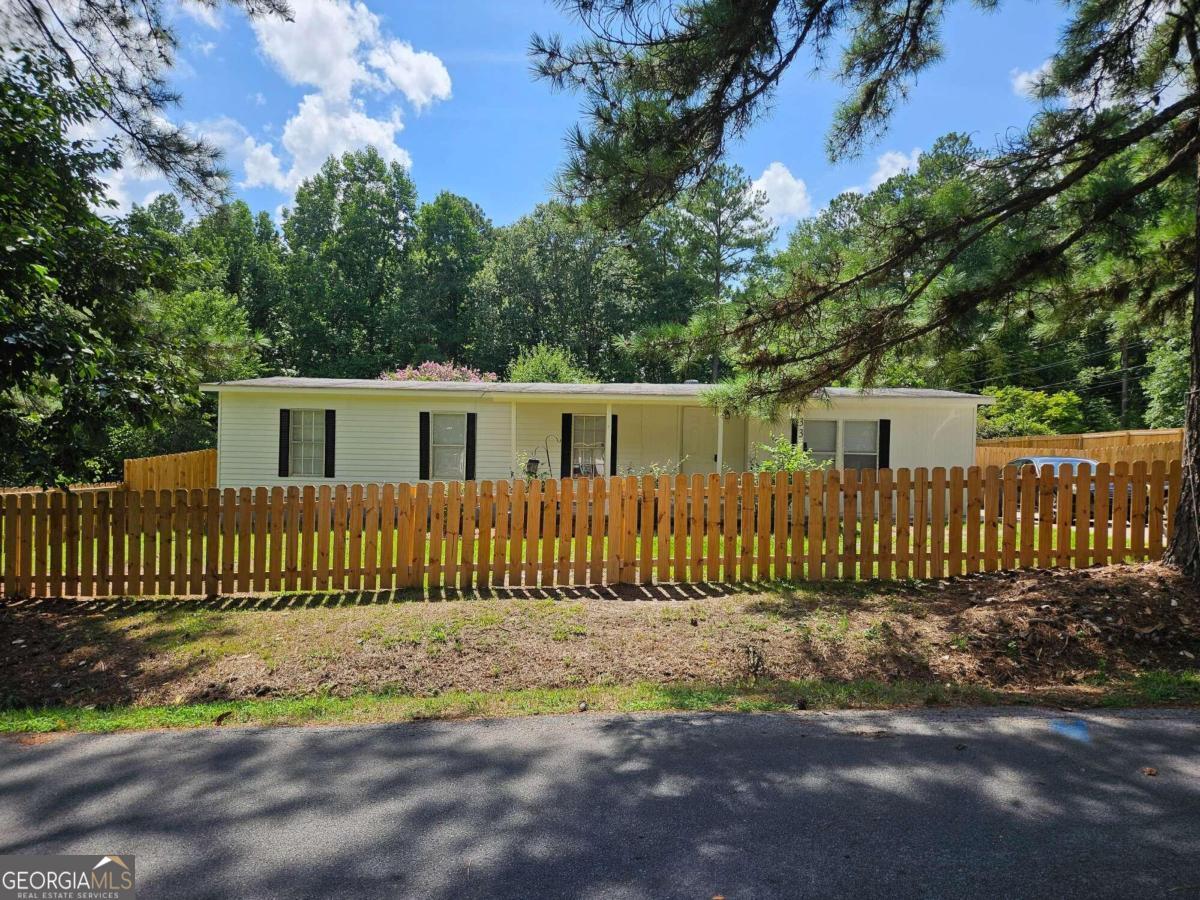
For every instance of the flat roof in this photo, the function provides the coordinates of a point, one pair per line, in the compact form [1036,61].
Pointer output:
[509,388]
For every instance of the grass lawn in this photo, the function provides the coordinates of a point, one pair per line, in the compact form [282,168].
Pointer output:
[1123,635]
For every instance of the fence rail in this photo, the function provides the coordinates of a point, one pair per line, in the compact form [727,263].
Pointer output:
[576,532]
[172,471]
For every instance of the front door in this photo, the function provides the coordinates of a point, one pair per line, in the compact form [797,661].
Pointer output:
[699,441]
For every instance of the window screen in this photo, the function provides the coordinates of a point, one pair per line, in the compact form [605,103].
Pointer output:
[587,446]
[861,449]
[820,437]
[306,456]
[448,446]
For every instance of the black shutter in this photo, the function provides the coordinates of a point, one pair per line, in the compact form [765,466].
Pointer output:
[612,448]
[885,443]
[564,455]
[285,442]
[330,442]
[795,432]
[470,468]
[423,474]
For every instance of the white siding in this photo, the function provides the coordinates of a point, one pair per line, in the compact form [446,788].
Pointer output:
[377,433]
[925,432]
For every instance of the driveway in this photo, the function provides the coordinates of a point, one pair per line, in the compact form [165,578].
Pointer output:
[928,803]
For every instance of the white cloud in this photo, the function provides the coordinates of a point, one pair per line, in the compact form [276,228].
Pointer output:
[203,13]
[419,75]
[888,165]
[1025,81]
[205,48]
[787,196]
[323,127]
[337,46]
[340,48]
[258,98]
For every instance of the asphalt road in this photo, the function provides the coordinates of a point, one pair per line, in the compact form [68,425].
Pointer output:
[928,803]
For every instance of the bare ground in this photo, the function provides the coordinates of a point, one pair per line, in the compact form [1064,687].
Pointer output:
[1023,632]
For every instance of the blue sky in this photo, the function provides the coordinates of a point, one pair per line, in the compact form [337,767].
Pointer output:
[445,87]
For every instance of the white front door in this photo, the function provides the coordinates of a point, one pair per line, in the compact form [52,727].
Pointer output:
[699,441]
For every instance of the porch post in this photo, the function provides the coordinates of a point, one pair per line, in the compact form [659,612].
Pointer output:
[720,442]
[607,438]
[512,438]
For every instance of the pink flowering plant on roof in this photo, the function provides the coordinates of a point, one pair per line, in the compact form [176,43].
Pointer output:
[438,371]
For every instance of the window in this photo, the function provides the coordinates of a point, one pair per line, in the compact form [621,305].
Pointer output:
[820,437]
[448,446]
[306,455]
[861,449]
[587,446]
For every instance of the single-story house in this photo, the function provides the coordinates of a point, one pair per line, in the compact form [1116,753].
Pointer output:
[285,431]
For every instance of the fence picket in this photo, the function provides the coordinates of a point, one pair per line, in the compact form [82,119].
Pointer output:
[833,533]
[1063,511]
[937,523]
[41,545]
[420,517]
[549,532]
[321,530]
[289,538]
[991,519]
[867,540]
[762,511]
[405,512]
[103,545]
[954,556]
[745,528]
[487,503]
[275,550]
[921,524]
[566,530]
[196,529]
[712,512]
[680,528]
[1045,537]
[815,530]
[1120,511]
[1028,514]
[1154,521]
[212,542]
[453,528]
[597,534]
[886,523]
[437,533]
[903,523]
[470,515]
[1084,487]
[245,525]
[229,540]
[849,523]
[1008,543]
[1137,515]
[660,503]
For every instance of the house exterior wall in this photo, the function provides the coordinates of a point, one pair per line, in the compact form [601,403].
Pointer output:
[925,432]
[378,434]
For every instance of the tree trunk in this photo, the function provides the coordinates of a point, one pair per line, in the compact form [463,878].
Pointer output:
[1184,551]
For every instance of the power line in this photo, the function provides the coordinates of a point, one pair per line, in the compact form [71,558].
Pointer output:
[1087,383]
[1003,375]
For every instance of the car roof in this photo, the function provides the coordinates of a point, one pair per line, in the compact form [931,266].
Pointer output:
[1057,459]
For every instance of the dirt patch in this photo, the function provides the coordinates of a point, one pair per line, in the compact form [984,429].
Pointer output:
[1032,631]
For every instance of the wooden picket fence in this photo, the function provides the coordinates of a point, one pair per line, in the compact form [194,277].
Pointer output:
[578,532]
[172,471]
[1092,440]
[1166,451]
